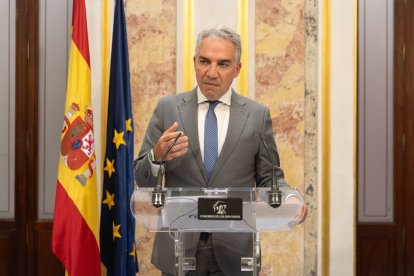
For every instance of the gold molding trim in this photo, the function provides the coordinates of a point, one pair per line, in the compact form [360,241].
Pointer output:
[355,130]
[105,67]
[326,134]
[243,30]
[188,44]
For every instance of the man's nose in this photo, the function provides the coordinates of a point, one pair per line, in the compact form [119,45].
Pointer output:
[212,71]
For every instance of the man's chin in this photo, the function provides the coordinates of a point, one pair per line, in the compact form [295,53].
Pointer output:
[211,94]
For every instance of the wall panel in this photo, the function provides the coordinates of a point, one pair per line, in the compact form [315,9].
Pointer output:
[45,262]
[54,39]
[375,175]
[7,252]
[376,250]
[7,106]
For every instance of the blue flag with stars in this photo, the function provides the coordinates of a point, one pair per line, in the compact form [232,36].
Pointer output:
[117,231]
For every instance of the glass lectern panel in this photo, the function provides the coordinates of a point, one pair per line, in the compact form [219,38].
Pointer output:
[180,210]
[182,215]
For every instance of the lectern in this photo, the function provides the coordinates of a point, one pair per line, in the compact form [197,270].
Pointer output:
[215,210]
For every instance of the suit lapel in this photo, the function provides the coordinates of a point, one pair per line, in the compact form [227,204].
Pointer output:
[238,118]
[189,117]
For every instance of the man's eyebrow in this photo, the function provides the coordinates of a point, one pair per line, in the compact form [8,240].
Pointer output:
[220,61]
[201,57]
[225,61]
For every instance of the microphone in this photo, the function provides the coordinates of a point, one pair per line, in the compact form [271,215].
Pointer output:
[274,195]
[158,195]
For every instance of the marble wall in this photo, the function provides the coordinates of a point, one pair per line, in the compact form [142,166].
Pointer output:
[151,27]
[280,85]
[281,44]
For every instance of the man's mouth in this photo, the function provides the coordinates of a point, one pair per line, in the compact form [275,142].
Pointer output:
[211,84]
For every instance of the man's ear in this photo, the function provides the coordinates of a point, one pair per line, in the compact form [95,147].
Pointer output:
[237,70]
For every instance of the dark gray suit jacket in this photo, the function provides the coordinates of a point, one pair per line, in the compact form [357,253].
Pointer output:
[243,162]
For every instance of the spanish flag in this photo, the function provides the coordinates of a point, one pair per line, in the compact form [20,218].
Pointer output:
[75,239]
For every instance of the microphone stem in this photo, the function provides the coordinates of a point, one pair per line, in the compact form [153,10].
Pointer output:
[158,197]
[160,175]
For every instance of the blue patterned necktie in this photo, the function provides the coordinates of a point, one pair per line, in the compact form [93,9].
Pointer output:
[210,139]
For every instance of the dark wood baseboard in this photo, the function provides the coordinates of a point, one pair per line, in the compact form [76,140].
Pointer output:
[8,252]
[377,248]
[45,262]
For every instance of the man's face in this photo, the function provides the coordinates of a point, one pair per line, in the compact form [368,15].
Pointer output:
[215,67]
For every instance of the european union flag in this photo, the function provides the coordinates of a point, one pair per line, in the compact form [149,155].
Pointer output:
[117,231]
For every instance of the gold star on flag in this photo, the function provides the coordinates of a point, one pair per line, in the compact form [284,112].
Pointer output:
[109,200]
[115,230]
[128,126]
[118,138]
[132,253]
[109,167]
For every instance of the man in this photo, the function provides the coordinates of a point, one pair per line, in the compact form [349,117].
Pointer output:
[234,157]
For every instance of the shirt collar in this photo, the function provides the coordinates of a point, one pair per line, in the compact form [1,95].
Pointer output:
[226,98]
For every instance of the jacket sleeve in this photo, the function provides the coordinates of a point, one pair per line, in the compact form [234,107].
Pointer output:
[142,167]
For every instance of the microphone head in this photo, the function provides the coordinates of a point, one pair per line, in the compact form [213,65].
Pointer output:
[158,199]
[275,198]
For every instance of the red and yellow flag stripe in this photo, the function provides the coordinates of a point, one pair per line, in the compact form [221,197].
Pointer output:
[76,221]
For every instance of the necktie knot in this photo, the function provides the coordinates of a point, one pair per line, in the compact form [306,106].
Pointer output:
[213,104]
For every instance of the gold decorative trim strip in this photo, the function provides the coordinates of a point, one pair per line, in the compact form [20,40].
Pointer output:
[326,134]
[355,129]
[243,30]
[188,44]
[105,63]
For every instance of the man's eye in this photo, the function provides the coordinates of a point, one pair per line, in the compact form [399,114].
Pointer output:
[223,65]
[202,61]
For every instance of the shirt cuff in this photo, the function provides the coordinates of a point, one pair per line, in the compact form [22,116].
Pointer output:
[154,166]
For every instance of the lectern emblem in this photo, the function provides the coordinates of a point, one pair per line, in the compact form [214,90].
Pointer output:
[220,207]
